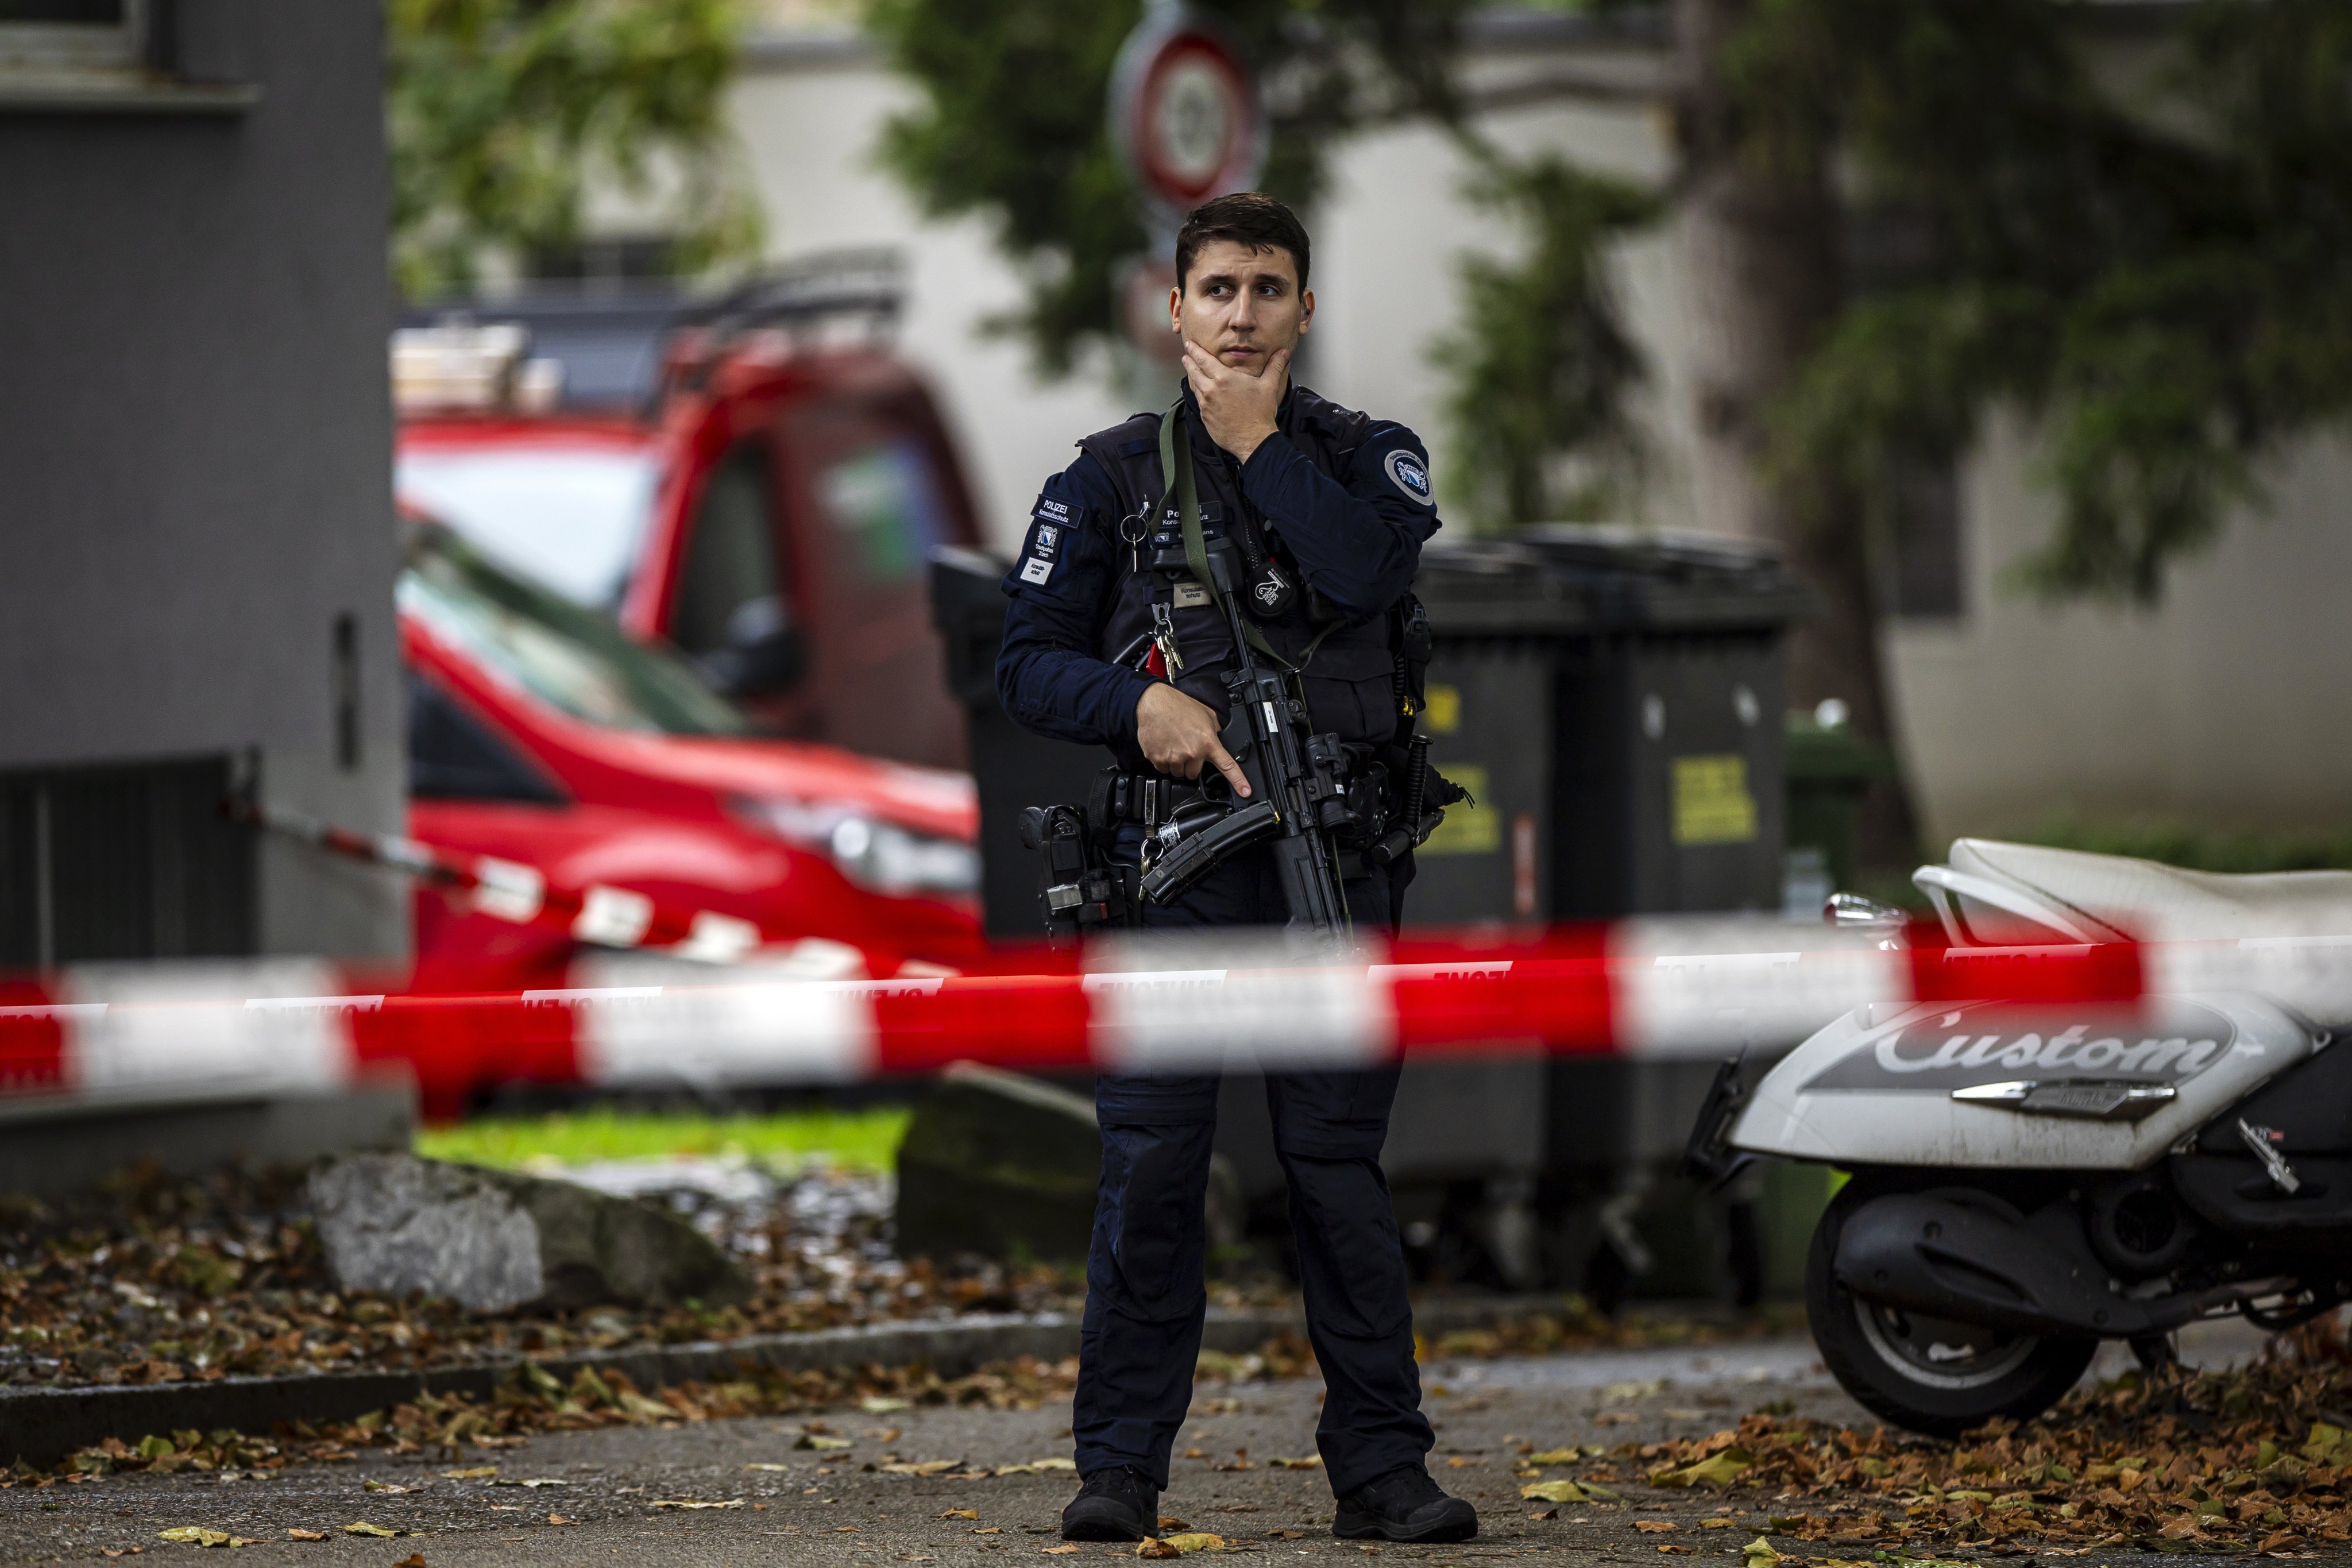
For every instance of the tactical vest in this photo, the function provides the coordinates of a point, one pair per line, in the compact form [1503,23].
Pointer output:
[1349,679]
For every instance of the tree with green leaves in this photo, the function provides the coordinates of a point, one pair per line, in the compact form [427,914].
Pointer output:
[2146,265]
[2159,283]
[503,112]
[1541,366]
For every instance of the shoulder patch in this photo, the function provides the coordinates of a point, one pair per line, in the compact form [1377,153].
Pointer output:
[1409,473]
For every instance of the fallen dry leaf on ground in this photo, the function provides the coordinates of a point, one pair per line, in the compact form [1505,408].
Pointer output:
[2256,1458]
[195,1535]
[1719,1469]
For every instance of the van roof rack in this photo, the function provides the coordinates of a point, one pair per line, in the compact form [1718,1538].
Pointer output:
[614,342]
[869,281]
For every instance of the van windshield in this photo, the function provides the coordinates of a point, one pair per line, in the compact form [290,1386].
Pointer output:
[566,509]
[573,660]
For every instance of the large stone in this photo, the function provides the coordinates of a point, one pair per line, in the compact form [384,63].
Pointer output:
[1000,1165]
[496,1239]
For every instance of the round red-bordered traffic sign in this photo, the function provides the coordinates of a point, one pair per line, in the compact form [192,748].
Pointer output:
[1184,111]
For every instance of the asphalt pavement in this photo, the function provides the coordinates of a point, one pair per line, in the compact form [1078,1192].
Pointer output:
[623,1495]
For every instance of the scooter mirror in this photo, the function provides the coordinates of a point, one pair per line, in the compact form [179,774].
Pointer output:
[1852,912]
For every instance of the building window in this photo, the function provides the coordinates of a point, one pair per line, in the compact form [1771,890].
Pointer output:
[1922,574]
[70,42]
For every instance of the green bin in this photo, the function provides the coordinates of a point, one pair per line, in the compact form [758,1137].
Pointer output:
[1829,770]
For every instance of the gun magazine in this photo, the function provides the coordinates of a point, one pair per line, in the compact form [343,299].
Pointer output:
[1196,857]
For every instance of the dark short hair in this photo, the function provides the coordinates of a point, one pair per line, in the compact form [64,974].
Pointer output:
[1248,218]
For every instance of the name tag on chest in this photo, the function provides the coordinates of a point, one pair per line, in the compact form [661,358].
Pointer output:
[1191,596]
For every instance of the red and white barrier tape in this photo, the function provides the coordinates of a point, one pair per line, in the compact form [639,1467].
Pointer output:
[1644,988]
[504,889]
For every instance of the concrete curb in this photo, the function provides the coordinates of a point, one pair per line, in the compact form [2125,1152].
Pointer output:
[42,1425]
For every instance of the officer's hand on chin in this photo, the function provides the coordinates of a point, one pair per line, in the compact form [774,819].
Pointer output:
[1178,735]
[1237,406]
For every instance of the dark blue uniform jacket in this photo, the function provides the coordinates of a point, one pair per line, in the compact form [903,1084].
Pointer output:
[1354,535]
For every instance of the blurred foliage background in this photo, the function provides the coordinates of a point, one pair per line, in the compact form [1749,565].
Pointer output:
[2148,267]
[1013,122]
[1540,419]
[2146,264]
[503,115]
[2132,245]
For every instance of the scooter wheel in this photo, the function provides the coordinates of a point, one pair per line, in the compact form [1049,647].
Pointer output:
[1934,1375]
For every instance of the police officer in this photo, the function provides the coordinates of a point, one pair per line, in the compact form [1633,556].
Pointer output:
[1328,507]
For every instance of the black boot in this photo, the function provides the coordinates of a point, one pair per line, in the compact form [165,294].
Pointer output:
[1118,1504]
[1404,1504]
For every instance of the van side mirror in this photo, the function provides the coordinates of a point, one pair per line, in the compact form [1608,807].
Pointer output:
[762,655]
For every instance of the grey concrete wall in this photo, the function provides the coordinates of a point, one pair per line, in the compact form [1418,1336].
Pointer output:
[195,436]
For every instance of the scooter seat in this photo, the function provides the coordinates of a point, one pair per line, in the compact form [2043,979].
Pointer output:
[2153,902]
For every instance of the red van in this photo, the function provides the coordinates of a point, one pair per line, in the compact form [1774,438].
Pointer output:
[540,737]
[755,482]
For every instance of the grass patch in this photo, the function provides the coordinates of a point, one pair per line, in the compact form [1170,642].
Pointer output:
[859,1140]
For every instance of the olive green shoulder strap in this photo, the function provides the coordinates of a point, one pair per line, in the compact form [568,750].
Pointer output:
[1177,478]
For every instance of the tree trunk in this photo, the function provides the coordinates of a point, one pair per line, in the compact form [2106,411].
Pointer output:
[1761,240]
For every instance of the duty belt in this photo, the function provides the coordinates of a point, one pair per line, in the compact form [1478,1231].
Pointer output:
[1148,798]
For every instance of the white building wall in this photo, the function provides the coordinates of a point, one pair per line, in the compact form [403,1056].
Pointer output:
[809,133]
[2226,704]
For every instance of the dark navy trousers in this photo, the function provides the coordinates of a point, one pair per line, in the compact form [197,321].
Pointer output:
[1146,1290]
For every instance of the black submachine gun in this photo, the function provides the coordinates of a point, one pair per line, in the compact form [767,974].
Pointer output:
[1298,786]
[1321,803]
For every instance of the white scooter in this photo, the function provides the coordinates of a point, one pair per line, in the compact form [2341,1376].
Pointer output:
[2026,1181]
